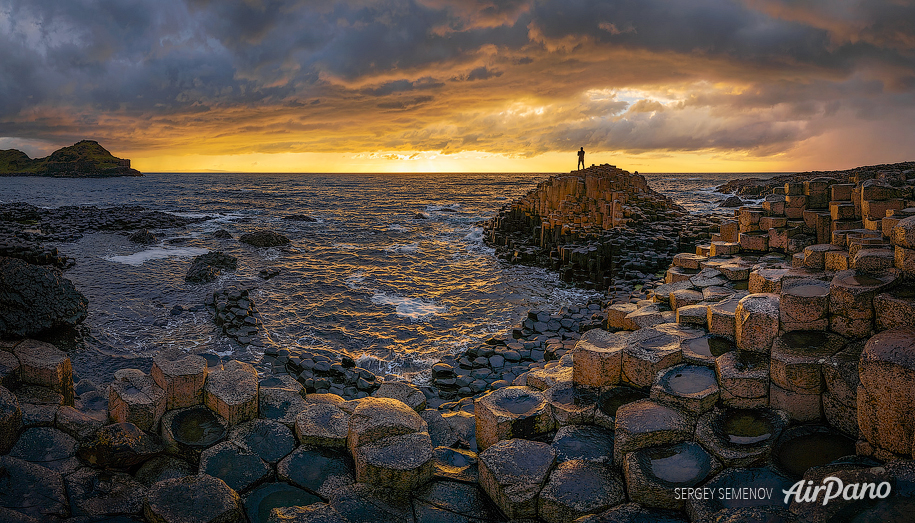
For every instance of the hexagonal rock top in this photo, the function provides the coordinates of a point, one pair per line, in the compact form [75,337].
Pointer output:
[182,378]
[378,418]
[44,364]
[577,488]
[135,398]
[511,412]
[513,472]
[322,424]
[193,499]
[232,392]
[757,322]
[405,392]
[646,423]
[597,360]
[690,387]
[10,420]
[885,395]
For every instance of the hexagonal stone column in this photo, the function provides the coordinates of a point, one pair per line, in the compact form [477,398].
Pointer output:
[511,412]
[390,445]
[766,280]
[756,322]
[405,392]
[181,376]
[201,499]
[692,388]
[804,305]
[743,379]
[239,468]
[647,423]
[840,401]
[851,302]
[740,437]
[44,364]
[597,358]
[577,488]
[35,491]
[885,395]
[322,425]
[135,398]
[653,474]
[648,352]
[119,445]
[616,316]
[513,473]
[232,392]
[721,319]
[895,308]
[572,404]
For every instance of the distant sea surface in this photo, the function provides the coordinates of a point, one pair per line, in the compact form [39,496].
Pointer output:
[367,278]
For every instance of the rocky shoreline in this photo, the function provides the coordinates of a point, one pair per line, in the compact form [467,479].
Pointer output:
[776,351]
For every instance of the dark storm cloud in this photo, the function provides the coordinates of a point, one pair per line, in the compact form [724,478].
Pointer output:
[137,70]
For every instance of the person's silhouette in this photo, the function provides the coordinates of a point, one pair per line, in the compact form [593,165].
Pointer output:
[581,158]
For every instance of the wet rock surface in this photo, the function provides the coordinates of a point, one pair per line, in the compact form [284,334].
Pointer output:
[37,298]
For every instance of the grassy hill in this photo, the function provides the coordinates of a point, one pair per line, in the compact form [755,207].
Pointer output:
[82,159]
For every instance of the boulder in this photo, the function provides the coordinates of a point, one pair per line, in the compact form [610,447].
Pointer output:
[440,431]
[756,322]
[193,499]
[885,395]
[511,412]
[264,239]
[36,298]
[577,488]
[44,364]
[232,392]
[512,472]
[182,377]
[456,464]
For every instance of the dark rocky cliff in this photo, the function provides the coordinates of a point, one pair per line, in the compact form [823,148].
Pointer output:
[85,159]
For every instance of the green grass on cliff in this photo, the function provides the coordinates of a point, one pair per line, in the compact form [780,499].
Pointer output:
[85,153]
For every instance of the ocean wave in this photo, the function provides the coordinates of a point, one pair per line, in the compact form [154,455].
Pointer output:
[413,308]
[452,207]
[353,280]
[398,228]
[344,246]
[156,253]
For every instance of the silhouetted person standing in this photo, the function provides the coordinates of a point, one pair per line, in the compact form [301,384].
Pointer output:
[581,158]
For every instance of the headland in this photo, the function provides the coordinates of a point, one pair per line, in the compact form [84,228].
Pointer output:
[84,159]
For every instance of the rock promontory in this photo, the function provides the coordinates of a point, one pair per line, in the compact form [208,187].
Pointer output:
[84,159]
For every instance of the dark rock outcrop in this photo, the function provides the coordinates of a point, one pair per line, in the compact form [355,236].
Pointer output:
[206,267]
[731,201]
[37,298]
[264,239]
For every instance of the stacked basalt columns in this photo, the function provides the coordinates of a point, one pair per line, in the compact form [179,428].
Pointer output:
[595,225]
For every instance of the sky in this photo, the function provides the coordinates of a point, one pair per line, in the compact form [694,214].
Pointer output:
[463,85]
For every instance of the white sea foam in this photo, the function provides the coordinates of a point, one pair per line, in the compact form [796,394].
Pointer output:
[453,207]
[157,253]
[344,246]
[475,235]
[397,228]
[413,308]
[353,280]
[406,248]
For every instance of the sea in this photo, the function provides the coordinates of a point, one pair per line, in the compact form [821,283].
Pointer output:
[368,278]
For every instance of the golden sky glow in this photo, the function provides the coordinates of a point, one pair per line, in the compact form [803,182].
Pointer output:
[470,85]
